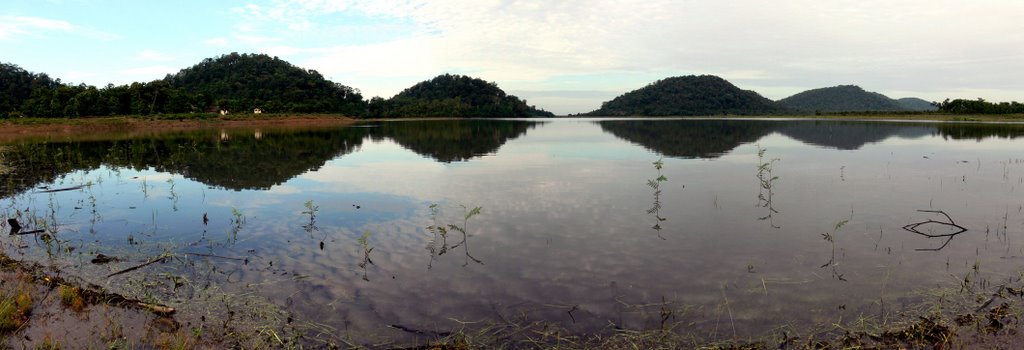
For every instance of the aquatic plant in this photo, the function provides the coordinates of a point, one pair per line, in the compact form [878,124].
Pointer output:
[311,211]
[831,238]
[364,243]
[766,180]
[237,221]
[441,231]
[655,184]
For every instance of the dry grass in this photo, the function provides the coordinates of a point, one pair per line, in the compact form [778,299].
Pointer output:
[71,297]
[15,307]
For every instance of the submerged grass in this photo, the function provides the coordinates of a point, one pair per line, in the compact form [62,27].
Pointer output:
[71,297]
[15,307]
[945,318]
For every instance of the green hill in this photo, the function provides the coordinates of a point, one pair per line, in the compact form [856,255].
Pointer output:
[843,98]
[236,82]
[241,82]
[688,96]
[916,104]
[453,96]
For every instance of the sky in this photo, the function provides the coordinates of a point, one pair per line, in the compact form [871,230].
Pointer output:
[564,56]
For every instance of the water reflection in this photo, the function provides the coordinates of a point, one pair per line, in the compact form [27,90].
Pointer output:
[245,160]
[929,231]
[453,140]
[553,224]
[713,138]
[439,230]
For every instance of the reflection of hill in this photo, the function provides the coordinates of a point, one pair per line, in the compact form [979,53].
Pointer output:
[689,138]
[247,159]
[712,138]
[453,140]
[233,161]
[850,135]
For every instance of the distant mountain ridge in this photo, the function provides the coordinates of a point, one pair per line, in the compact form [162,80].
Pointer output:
[691,95]
[842,98]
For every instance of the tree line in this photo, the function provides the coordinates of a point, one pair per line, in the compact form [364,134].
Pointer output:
[242,82]
[979,106]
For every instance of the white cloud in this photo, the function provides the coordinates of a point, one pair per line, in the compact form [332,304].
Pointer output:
[11,26]
[918,47]
[16,26]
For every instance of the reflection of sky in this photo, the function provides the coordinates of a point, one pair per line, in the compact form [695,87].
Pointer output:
[564,221]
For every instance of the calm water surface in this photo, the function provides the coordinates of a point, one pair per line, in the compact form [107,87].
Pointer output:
[576,224]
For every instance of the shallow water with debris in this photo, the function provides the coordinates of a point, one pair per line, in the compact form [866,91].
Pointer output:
[416,228]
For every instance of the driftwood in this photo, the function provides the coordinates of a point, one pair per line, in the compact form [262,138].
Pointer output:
[62,189]
[949,236]
[215,256]
[15,233]
[16,228]
[103,259]
[133,268]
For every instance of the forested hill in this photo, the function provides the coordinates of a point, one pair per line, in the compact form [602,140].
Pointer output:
[242,82]
[235,82]
[689,96]
[453,96]
[843,98]
[916,104]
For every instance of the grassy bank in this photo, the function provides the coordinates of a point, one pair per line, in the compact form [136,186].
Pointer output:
[133,126]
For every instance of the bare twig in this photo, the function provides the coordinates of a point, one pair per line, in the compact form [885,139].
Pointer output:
[949,236]
[130,269]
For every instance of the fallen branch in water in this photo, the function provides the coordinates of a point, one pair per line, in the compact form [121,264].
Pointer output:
[19,233]
[215,256]
[62,189]
[949,236]
[151,262]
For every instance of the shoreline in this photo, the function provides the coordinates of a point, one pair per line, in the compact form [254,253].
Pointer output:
[21,129]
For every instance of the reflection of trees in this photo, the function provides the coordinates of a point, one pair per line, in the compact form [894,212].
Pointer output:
[850,135]
[713,138]
[233,161]
[453,140]
[246,159]
[689,138]
[978,132]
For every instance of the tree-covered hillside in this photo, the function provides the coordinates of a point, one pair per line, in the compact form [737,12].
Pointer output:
[916,104]
[236,82]
[453,96]
[843,98]
[689,96]
[240,82]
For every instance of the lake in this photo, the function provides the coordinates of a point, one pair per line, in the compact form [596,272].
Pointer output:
[410,229]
